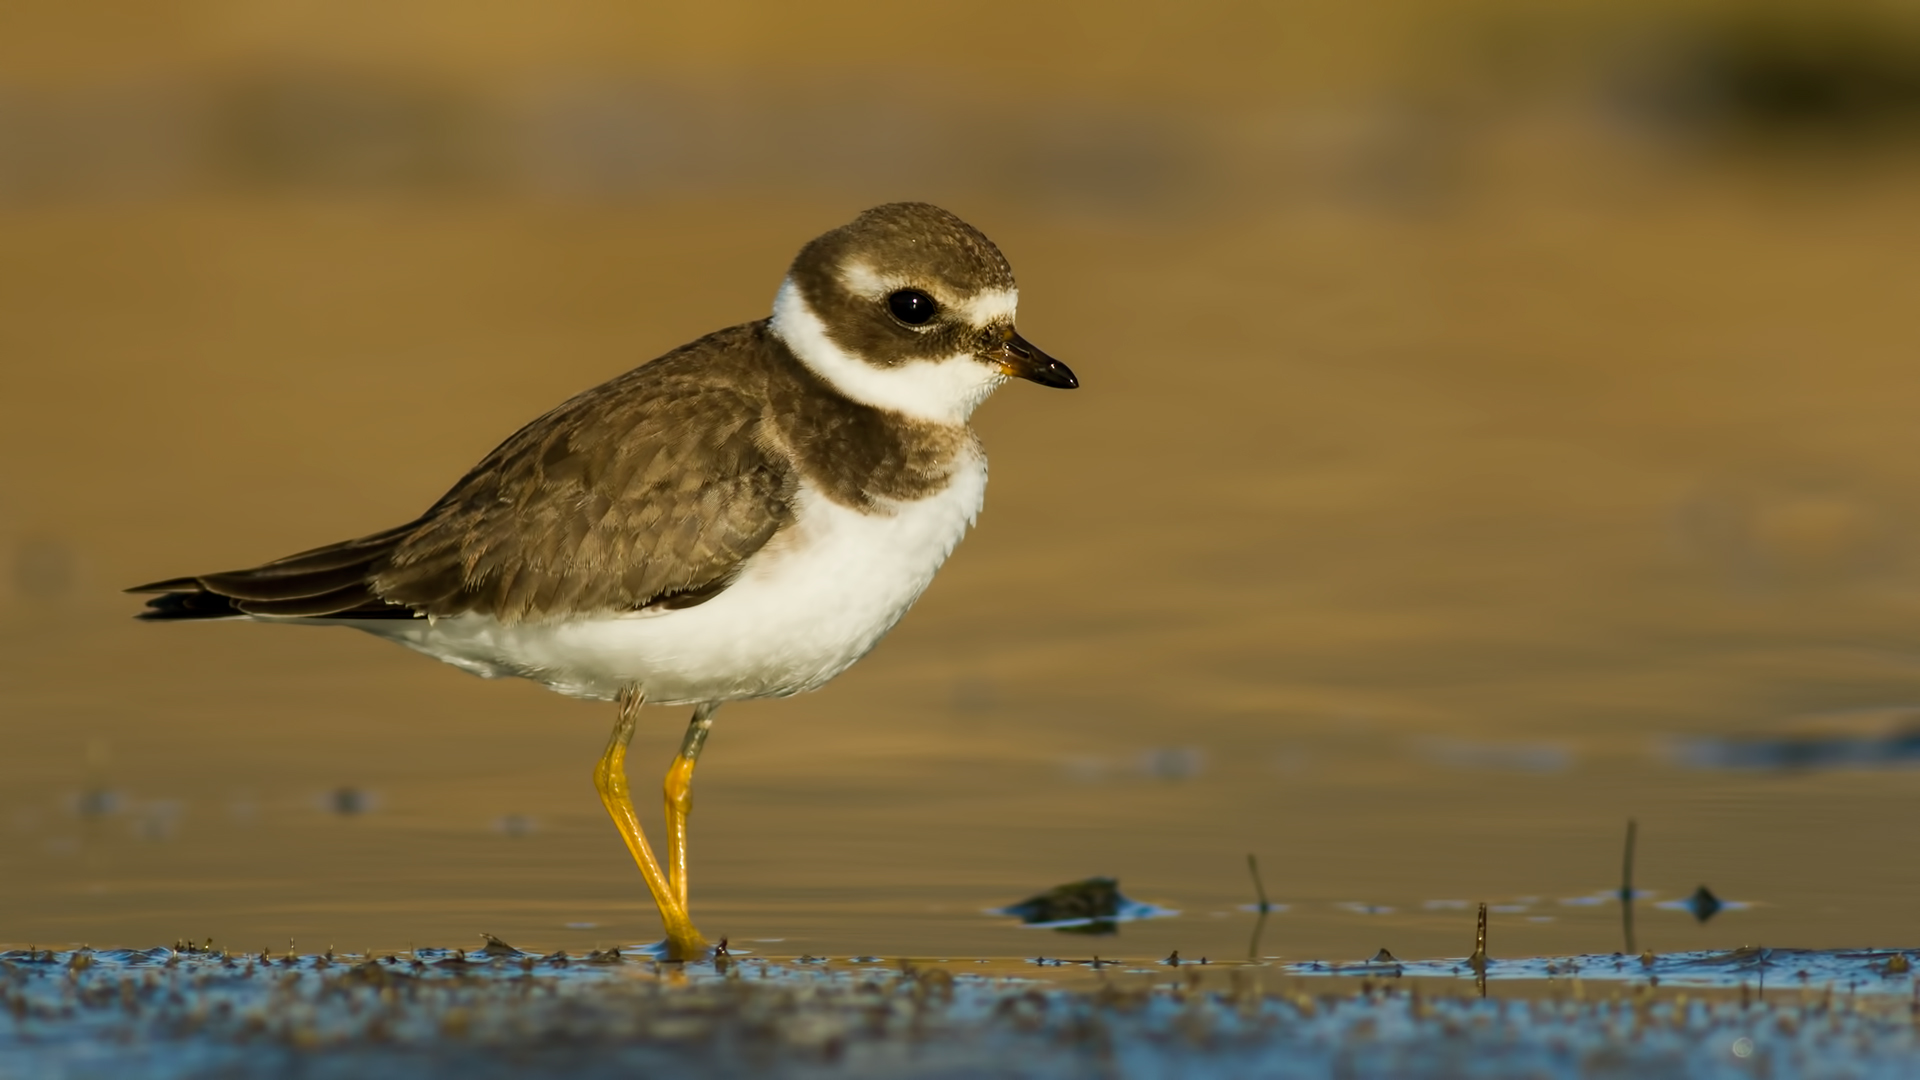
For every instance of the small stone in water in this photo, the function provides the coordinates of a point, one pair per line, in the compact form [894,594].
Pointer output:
[1704,904]
[1094,898]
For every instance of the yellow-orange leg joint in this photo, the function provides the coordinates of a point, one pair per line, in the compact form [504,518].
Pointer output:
[610,779]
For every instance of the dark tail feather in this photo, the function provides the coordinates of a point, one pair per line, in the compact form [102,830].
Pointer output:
[187,605]
[274,586]
[179,584]
[331,581]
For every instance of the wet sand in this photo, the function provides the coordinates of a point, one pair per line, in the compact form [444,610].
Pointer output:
[500,1011]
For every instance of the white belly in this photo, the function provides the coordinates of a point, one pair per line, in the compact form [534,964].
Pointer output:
[804,608]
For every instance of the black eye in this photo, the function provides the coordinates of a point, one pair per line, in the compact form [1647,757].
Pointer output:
[911,306]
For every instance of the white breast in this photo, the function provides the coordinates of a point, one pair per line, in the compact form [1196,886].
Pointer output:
[803,609]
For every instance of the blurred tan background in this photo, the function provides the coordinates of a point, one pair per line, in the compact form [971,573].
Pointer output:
[1496,423]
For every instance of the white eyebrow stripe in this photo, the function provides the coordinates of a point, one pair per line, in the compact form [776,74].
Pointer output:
[979,311]
[989,307]
[861,280]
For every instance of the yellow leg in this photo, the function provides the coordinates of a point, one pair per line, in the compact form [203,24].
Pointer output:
[610,778]
[678,790]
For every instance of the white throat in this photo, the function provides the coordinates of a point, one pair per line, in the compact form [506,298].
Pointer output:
[945,391]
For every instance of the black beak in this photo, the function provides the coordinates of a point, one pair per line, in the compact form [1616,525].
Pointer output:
[1016,356]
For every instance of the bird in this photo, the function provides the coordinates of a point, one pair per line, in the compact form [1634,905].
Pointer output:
[742,517]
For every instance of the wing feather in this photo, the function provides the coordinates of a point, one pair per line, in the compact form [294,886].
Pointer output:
[651,489]
[610,503]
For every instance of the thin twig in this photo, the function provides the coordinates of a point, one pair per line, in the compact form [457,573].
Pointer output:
[1626,887]
[1478,961]
[1259,924]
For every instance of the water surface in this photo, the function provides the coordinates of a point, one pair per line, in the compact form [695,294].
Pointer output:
[1413,538]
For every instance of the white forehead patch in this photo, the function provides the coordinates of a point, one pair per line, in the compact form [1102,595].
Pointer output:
[945,391]
[980,310]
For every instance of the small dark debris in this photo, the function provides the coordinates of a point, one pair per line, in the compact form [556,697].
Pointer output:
[349,801]
[1383,957]
[1704,904]
[496,947]
[1085,907]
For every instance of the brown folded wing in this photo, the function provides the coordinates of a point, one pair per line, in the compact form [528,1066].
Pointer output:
[649,490]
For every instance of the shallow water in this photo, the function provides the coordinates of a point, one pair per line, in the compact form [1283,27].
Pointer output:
[1412,542]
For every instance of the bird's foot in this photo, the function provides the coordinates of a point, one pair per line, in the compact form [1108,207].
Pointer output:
[679,949]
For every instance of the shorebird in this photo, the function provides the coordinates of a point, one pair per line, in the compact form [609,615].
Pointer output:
[743,517]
